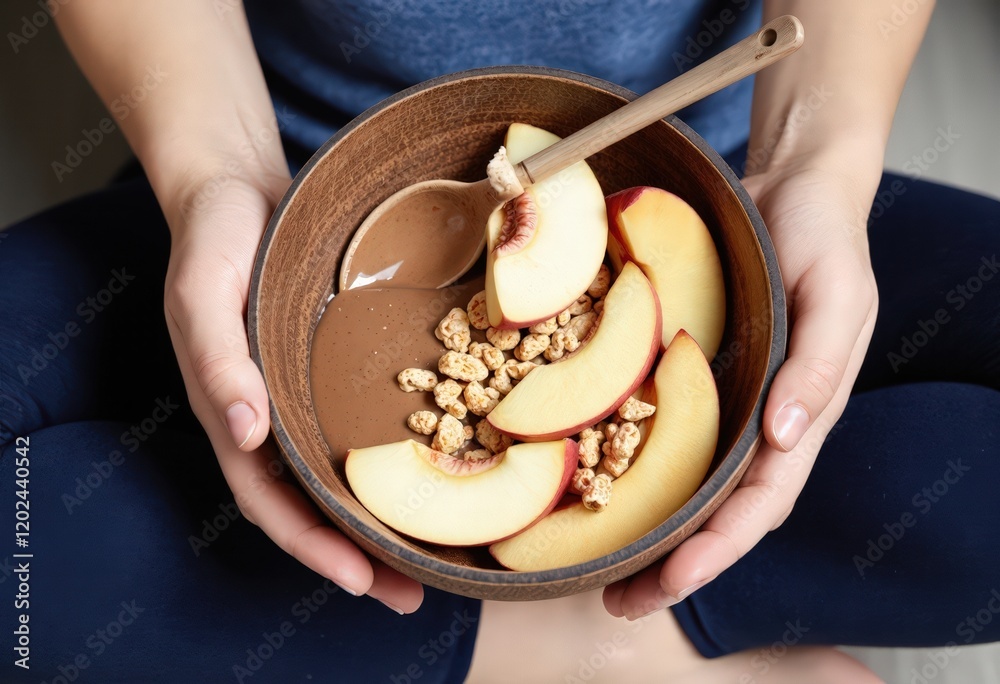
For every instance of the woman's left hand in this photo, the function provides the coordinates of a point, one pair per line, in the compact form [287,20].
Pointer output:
[816,211]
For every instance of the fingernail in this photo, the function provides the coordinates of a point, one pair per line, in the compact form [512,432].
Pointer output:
[667,600]
[241,421]
[662,600]
[789,425]
[632,617]
[345,588]
[390,606]
[684,593]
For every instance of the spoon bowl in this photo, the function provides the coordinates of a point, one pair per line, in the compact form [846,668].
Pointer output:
[451,213]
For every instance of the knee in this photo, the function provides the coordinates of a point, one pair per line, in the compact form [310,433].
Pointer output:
[826,665]
[837,666]
[20,413]
[40,381]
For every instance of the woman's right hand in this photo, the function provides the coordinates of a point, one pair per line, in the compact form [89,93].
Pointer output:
[216,227]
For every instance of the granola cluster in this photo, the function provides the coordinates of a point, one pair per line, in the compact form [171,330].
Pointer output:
[607,450]
[479,372]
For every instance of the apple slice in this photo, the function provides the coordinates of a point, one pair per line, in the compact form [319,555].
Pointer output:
[666,473]
[441,499]
[544,248]
[559,399]
[663,235]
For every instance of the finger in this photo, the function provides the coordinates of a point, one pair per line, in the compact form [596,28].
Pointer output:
[644,594]
[781,519]
[395,590]
[657,587]
[827,323]
[211,329]
[612,597]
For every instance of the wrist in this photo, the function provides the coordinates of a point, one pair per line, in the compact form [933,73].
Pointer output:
[802,135]
[853,155]
[194,172]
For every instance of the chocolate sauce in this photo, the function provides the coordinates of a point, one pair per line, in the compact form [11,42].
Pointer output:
[364,339]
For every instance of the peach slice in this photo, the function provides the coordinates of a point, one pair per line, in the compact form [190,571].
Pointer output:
[543,248]
[560,399]
[666,473]
[663,235]
[441,499]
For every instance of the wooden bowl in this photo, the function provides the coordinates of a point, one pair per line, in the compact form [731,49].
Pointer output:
[448,128]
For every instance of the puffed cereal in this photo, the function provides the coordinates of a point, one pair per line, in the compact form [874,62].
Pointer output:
[481,400]
[504,340]
[453,330]
[450,435]
[446,395]
[423,422]
[417,380]
[478,317]
[491,438]
[597,496]
[601,284]
[531,346]
[464,367]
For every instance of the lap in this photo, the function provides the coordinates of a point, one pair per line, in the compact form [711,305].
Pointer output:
[99,263]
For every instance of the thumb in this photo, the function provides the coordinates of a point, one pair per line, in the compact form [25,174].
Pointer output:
[210,325]
[827,323]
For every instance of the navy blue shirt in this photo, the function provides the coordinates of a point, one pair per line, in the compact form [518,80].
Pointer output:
[327,60]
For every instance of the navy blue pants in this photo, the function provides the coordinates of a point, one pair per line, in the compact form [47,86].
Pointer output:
[142,570]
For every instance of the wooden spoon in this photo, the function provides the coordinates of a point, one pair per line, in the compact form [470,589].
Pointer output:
[445,220]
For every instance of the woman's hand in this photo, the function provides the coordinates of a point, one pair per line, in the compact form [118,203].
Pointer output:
[816,210]
[216,228]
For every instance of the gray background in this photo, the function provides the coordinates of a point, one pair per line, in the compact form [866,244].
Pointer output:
[45,103]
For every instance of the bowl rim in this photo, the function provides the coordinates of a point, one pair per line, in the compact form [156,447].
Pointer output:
[727,469]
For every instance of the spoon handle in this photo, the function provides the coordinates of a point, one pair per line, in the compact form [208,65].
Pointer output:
[775,40]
